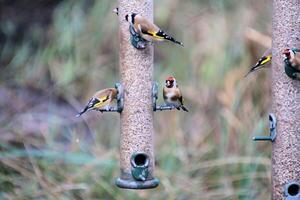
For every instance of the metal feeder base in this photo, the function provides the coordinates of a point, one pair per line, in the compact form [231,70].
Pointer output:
[133,184]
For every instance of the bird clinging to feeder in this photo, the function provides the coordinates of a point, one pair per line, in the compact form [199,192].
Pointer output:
[266,58]
[100,100]
[148,30]
[172,94]
[292,57]
[292,63]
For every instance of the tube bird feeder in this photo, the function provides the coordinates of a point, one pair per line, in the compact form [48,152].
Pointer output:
[136,73]
[286,100]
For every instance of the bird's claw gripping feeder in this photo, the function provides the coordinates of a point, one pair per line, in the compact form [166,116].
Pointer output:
[155,97]
[136,40]
[272,128]
[290,71]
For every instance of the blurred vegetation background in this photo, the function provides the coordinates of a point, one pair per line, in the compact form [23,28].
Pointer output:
[56,53]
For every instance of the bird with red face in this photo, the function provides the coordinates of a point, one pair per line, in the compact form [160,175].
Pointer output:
[172,94]
[292,57]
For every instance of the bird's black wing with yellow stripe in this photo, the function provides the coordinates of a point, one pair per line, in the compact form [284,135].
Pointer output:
[261,62]
[89,105]
[94,103]
[161,35]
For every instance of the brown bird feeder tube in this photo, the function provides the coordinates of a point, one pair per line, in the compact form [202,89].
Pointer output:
[136,71]
[286,102]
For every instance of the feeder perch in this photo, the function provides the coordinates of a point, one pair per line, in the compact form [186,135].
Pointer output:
[272,125]
[290,71]
[120,101]
[292,191]
[155,97]
[136,40]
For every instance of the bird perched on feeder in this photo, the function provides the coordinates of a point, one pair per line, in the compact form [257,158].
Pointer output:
[147,30]
[100,100]
[266,58]
[292,57]
[172,94]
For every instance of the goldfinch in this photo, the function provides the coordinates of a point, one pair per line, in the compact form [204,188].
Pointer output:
[147,30]
[266,58]
[293,57]
[172,94]
[100,100]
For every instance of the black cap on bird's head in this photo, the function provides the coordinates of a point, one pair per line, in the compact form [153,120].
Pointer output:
[133,15]
[130,18]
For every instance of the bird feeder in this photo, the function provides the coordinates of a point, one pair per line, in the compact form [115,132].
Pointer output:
[286,98]
[136,72]
[136,40]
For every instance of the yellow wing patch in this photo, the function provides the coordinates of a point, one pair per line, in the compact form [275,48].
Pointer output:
[154,34]
[102,101]
[267,59]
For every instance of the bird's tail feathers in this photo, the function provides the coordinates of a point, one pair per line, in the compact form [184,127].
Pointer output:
[254,68]
[249,72]
[92,102]
[83,111]
[168,37]
[184,108]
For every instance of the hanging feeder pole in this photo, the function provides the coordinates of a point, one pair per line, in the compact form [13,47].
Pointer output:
[136,72]
[286,102]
